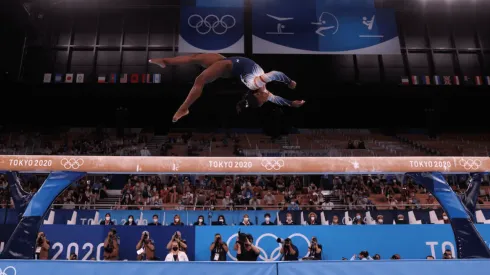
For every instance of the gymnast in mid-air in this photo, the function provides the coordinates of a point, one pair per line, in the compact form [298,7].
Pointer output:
[217,66]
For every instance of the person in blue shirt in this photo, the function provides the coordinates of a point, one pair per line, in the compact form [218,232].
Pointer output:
[218,66]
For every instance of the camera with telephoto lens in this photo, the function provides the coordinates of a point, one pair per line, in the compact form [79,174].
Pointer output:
[285,242]
[242,238]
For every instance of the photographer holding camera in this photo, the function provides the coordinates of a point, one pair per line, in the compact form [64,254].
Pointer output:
[288,250]
[42,247]
[218,249]
[177,237]
[145,248]
[245,250]
[111,246]
[315,250]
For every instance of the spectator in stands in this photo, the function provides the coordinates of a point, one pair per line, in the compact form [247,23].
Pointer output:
[246,220]
[145,248]
[401,219]
[218,249]
[269,199]
[130,221]
[254,203]
[327,205]
[175,255]
[431,201]
[445,218]
[335,220]
[107,220]
[293,206]
[358,220]
[227,201]
[448,254]
[430,257]
[396,257]
[177,221]
[177,238]
[313,219]
[200,221]
[42,247]
[73,257]
[111,246]
[377,257]
[289,251]
[221,220]
[127,200]
[155,221]
[315,249]
[379,220]
[289,219]
[173,194]
[267,220]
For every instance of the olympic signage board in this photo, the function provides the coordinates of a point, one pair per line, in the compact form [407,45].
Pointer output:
[410,241]
[212,26]
[318,27]
[243,165]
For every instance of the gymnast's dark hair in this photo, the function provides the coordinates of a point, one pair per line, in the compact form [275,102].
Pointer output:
[247,101]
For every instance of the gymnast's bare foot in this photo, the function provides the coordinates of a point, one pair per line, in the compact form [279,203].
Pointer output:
[158,62]
[179,114]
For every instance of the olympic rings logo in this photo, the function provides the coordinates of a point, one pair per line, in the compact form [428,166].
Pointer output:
[71,163]
[470,164]
[211,23]
[4,271]
[272,164]
[275,254]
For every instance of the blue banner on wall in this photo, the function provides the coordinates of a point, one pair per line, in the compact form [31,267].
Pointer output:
[88,241]
[212,26]
[318,27]
[410,241]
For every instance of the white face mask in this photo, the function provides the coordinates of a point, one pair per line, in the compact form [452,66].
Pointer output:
[444,217]
[358,217]
[312,218]
[155,220]
[380,221]
[130,220]
[221,220]
[176,220]
[107,218]
[245,219]
[267,219]
[200,220]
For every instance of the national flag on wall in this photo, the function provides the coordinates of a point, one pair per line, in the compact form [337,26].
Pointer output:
[456,80]
[47,78]
[405,80]
[113,78]
[478,80]
[148,78]
[69,78]
[135,78]
[415,80]
[468,80]
[124,78]
[58,78]
[157,78]
[447,80]
[437,80]
[101,79]
[143,78]
[425,79]
[80,78]
[487,80]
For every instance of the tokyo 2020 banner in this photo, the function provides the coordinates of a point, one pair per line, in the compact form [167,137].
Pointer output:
[212,26]
[320,27]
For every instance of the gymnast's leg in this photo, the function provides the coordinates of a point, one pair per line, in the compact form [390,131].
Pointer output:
[209,75]
[204,59]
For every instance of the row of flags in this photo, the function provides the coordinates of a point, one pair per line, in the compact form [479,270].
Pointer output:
[110,78]
[446,80]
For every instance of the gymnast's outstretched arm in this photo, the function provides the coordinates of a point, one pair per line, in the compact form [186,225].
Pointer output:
[284,102]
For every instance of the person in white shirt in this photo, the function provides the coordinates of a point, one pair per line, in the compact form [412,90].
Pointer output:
[327,205]
[175,255]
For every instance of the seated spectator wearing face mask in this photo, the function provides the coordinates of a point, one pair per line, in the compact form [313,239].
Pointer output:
[445,218]
[130,220]
[377,257]
[289,219]
[379,220]
[155,221]
[221,220]
[358,220]
[175,255]
[335,220]
[312,219]
[177,221]
[246,220]
[107,220]
[267,218]
[401,220]
[200,221]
